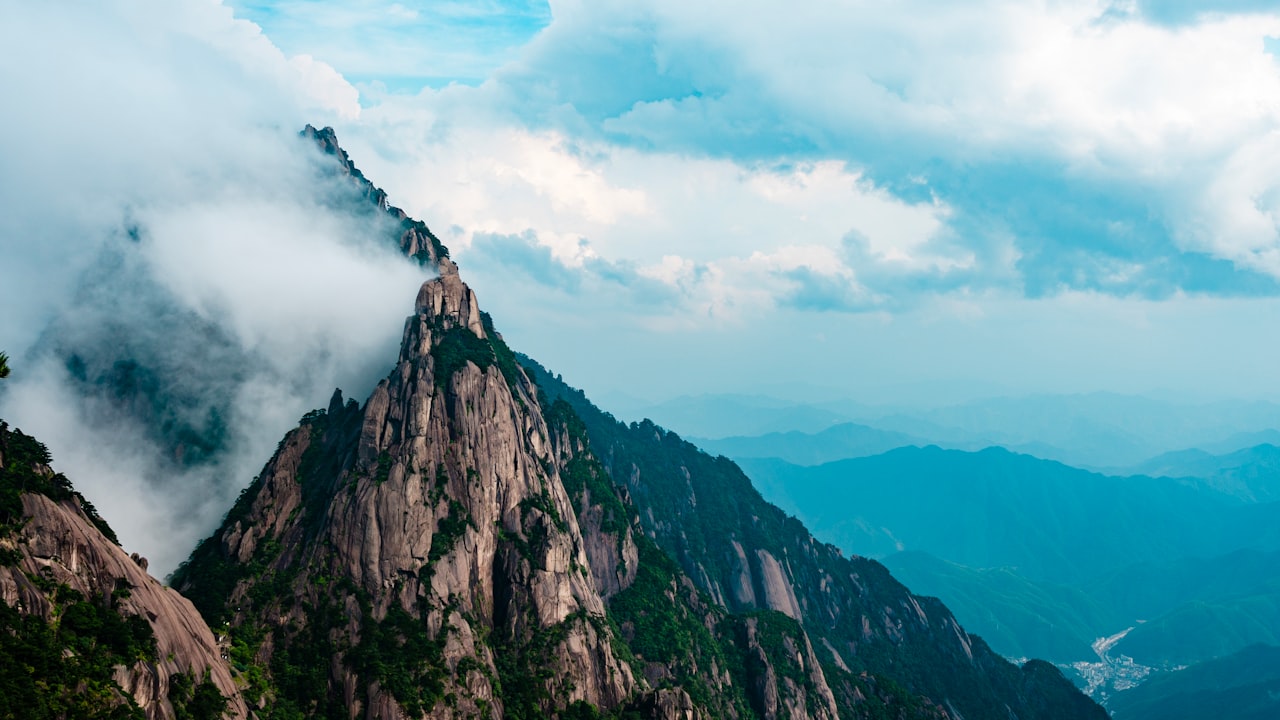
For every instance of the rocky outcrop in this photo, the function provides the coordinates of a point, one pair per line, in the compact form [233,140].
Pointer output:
[61,553]
[439,501]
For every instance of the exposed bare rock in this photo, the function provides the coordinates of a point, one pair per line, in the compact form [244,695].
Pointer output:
[789,680]
[59,544]
[742,588]
[778,594]
[668,704]
[441,501]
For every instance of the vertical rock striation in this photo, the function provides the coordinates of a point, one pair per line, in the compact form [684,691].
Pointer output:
[438,505]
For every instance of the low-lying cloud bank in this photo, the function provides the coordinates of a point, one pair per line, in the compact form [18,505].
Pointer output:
[183,276]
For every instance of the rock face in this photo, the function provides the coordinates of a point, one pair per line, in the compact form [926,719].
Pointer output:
[61,563]
[437,505]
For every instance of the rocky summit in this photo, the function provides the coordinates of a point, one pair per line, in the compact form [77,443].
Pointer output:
[477,540]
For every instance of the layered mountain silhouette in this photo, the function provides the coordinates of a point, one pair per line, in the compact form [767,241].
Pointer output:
[1042,559]
[476,539]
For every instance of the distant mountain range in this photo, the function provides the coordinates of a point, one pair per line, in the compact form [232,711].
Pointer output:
[1095,431]
[1251,474]
[837,442]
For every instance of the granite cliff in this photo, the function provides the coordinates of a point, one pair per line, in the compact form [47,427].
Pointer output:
[86,631]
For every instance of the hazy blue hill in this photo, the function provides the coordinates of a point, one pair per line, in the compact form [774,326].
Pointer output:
[1251,474]
[1041,558]
[1194,608]
[1243,686]
[1181,611]
[1098,430]
[846,440]
[1240,441]
[995,508]
[1207,628]
[1147,590]
[1092,430]
[716,416]
[1016,616]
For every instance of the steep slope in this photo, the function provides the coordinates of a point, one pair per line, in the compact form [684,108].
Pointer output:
[84,630]
[748,556]
[420,555]
[1243,686]
[1017,616]
[417,555]
[445,552]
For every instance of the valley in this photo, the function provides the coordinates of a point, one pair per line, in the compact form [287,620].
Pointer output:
[1119,579]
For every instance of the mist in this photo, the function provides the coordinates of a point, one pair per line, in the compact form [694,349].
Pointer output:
[183,276]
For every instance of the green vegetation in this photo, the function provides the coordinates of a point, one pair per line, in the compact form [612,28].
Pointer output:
[1018,616]
[458,346]
[26,470]
[449,531]
[399,653]
[195,702]
[584,476]
[503,355]
[384,468]
[64,667]
[4,366]
[409,225]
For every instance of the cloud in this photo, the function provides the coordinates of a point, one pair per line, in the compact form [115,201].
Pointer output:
[665,236]
[183,276]
[1094,145]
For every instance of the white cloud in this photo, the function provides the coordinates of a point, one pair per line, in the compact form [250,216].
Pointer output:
[666,213]
[160,208]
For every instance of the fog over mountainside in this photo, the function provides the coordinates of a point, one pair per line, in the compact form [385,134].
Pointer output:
[182,275]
